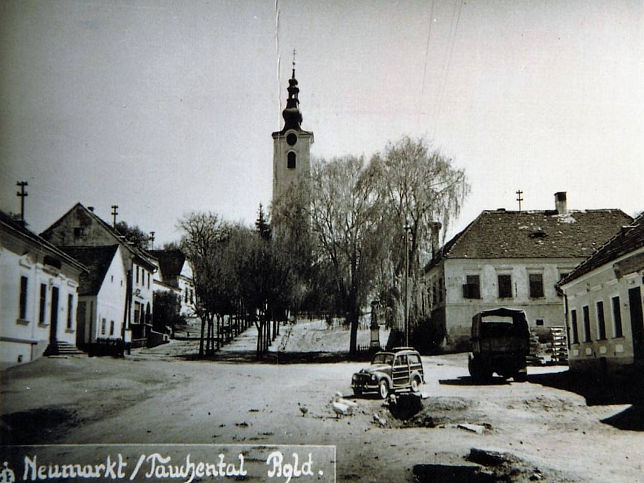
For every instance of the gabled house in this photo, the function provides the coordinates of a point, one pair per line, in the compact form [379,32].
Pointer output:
[511,259]
[38,295]
[604,303]
[175,273]
[80,227]
[101,295]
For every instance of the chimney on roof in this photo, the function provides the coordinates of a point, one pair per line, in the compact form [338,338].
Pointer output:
[436,228]
[560,202]
[91,208]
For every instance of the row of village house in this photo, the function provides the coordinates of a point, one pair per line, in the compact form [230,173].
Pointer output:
[80,284]
[579,270]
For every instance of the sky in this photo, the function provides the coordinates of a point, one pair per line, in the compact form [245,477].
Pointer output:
[167,107]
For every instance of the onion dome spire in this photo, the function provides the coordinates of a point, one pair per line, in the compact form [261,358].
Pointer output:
[291,114]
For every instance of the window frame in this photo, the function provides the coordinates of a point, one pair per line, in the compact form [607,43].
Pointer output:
[23,297]
[536,287]
[617,317]
[586,317]
[601,320]
[575,328]
[506,285]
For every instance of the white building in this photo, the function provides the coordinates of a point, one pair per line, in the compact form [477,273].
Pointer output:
[81,227]
[604,304]
[38,295]
[175,274]
[102,294]
[511,259]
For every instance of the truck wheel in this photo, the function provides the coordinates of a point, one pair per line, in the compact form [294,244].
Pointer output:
[383,389]
[521,376]
[479,370]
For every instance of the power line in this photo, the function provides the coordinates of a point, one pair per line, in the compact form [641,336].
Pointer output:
[453,33]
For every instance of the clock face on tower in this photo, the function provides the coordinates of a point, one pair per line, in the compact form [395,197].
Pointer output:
[291,139]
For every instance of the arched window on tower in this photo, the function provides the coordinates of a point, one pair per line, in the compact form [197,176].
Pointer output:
[290,164]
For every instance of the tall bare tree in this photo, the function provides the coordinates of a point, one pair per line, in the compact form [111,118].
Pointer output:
[346,228]
[204,240]
[416,186]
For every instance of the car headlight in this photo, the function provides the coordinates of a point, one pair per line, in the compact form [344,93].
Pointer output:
[373,378]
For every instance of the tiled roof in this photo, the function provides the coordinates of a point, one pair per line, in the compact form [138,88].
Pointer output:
[533,234]
[142,255]
[626,240]
[97,260]
[9,224]
[171,263]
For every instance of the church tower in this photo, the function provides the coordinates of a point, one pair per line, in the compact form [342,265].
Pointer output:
[291,145]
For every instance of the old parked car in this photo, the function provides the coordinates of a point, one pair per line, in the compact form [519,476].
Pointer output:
[400,369]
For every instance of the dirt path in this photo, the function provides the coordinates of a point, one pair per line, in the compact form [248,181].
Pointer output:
[155,397]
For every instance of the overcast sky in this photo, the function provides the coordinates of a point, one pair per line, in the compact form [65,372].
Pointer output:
[166,107]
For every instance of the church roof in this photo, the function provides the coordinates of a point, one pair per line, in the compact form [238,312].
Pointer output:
[533,234]
[291,113]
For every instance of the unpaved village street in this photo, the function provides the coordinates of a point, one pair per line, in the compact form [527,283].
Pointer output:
[153,396]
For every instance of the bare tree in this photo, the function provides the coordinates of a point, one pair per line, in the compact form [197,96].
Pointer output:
[416,187]
[204,242]
[346,229]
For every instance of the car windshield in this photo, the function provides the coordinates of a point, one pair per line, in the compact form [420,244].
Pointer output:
[383,359]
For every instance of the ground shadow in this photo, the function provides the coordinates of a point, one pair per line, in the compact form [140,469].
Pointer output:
[603,389]
[249,356]
[462,473]
[597,389]
[470,381]
[42,425]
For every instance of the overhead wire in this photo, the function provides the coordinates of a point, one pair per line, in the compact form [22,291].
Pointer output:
[429,36]
[446,69]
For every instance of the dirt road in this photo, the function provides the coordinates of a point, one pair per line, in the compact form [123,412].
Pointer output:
[153,397]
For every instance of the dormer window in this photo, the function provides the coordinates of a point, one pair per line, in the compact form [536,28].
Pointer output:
[290,157]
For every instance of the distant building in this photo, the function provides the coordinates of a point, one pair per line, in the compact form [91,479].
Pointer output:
[101,295]
[511,259]
[175,273]
[291,145]
[604,303]
[81,227]
[38,294]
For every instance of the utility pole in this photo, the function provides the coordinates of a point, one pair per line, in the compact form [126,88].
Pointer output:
[114,213]
[519,199]
[407,234]
[22,194]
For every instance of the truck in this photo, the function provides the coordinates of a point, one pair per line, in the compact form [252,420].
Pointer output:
[500,343]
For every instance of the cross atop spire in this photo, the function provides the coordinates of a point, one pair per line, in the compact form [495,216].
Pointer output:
[294,60]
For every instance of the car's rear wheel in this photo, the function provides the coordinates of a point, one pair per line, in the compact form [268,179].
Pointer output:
[415,384]
[383,389]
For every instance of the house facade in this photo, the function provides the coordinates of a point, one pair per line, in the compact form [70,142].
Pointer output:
[81,227]
[101,295]
[38,294]
[511,259]
[175,274]
[604,304]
